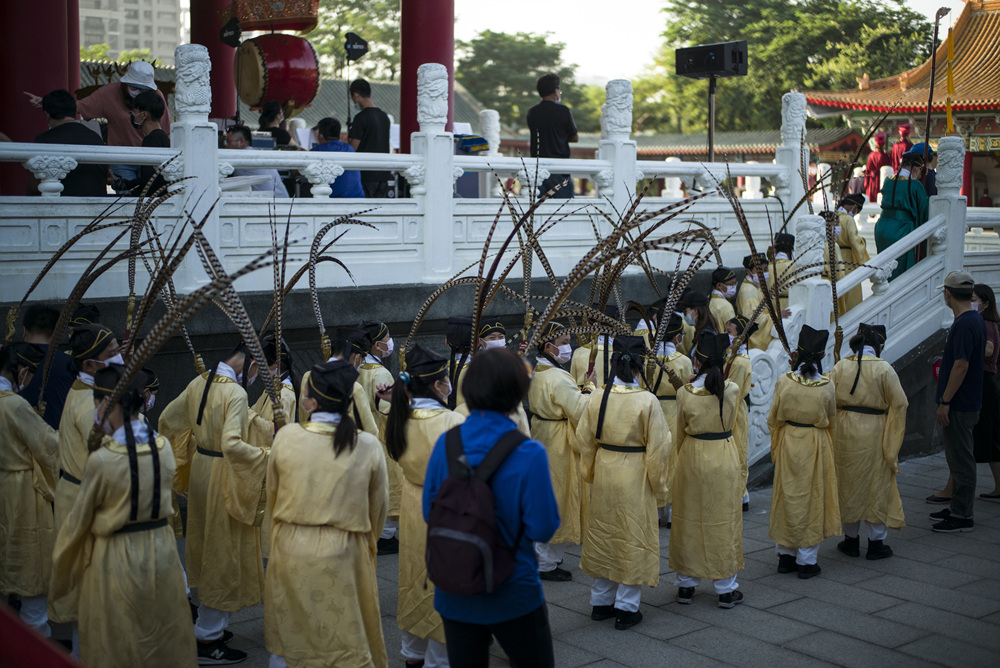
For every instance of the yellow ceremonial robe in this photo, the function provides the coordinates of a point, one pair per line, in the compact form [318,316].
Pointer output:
[852,249]
[780,271]
[28,470]
[321,605]
[224,473]
[415,611]
[74,431]
[133,607]
[722,312]
[747,300]
[621,534]
[362,413]
[866,446]
[370,376]
[707,480]
[660,385]
[261,434]
[804,506]
[557,404]
[739,373]
[519,417]
[580,363]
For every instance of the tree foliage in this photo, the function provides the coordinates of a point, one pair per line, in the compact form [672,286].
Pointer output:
[101,52]
[792,44]
[375,21]
[501,70]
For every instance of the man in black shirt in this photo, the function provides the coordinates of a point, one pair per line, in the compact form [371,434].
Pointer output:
[37,328]
[552,129]
[369,133]
[86,180]
[146,116]
[959,397]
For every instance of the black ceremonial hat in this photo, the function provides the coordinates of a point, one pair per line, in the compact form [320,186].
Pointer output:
[550,331]
[629,345]
[674,326]
[722,274]
[376,329]
[458,333]
[812,343]
[712,346]
[491,326]
[867,331]
[152,382]
[269,343]
[26,354]
[759,260]
[695,298]
[741,325]
[85,314]
[360,341]
[424,363]
[857,199]
[784,242]
[332,382]
[89,341]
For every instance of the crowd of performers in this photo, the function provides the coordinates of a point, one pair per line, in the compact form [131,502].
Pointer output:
[628,432]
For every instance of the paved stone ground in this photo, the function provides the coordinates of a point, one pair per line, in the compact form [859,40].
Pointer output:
[937,602]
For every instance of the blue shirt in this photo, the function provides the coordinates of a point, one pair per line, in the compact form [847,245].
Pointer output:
[966,340]
[347,184]
[60,381]
[522,491]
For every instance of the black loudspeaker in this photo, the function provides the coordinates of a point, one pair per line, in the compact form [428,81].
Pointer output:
[728,59]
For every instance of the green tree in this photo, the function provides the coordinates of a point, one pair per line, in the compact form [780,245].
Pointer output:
[95,52]
[133,54]
[375,21]
[501,70]
[792,44]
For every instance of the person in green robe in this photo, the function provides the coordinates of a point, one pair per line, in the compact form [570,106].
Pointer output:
[904,206]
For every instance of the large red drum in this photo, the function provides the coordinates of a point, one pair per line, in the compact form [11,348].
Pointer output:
[277,67]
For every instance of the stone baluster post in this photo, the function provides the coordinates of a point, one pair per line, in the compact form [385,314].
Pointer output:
[792,154]
[617,147]
[672,185]
[50,170]
[489,128]
[751,185]
[198,141]
[814,294]
[434,178]
[950,203]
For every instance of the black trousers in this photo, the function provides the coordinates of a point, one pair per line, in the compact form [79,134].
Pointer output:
[527,641]
[375,188]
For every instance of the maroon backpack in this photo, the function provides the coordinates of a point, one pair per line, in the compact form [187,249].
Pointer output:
[466,554]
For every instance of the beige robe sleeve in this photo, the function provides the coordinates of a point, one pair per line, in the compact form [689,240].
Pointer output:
[75,541]
[586,442]
[246,464]
[43,443]
[378,499]
[895,424]
[657,454]
[175,426]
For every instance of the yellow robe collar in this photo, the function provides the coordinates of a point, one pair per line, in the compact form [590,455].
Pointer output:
[425,413]
[865,358]
[370,365]
[141,448]
[6,393]
[217,378]
[80,385]
[808,382]
[698,391]
[625,389]
[319,427]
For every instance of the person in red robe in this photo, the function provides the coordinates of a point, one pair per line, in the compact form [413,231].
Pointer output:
[877,159]
[902,146]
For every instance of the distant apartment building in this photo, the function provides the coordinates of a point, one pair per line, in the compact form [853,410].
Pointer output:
[156,25]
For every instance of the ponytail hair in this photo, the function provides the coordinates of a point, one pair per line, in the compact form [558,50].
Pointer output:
[407,387]
[331,385]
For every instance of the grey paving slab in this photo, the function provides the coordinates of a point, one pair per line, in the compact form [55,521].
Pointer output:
[667,622]
[987,587]
[633,648]
[950,652]
[563,619]
[843,621]
[936,597]
[843,650]
[727,646]
[571,655]
[959,543]
[983,632]
[605,663]
[938,574]
[760,624]
[860,599]
[763,596]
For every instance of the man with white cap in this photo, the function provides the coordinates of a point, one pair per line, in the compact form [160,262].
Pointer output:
[959,398]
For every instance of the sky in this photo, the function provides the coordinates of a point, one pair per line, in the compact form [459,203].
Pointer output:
[605,41]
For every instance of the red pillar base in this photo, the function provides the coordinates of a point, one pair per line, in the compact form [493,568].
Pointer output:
[427,35]
[967,179]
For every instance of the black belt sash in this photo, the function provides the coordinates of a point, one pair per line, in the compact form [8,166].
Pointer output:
[536,416]
[865,410]
[672,397]
[800,424]
[148,525]
[67,477]
[209,453]
[623,448]
[713,436]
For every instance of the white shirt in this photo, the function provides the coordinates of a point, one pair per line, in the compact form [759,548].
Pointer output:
[603,340]
[868,350]
[904,173]
[426,403]
[633,383]
[225,370]
[543,361]
[371,359]
[781,256]
[798,372]
[699,381]
[139,430]
[273,186]
[325,417]
[6,385]
[667,349]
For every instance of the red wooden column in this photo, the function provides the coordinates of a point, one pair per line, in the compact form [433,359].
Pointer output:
[206,22]
[967,177]
[34,44]
[427,35]
[73,46]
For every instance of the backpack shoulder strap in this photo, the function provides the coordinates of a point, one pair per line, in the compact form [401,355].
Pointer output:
[498,453]
[455,453]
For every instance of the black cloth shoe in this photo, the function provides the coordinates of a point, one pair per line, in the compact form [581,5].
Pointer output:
[934,498]
[626,620]
[663,522]
[851,546]
[746,506]
[387,546]
[194,610]
[878,550]
[786,564]
[953,525]
[807,571]
[556,575]
[602,612]
[414,663]
[941,514]
[216,653]
[685,595]
[730,600]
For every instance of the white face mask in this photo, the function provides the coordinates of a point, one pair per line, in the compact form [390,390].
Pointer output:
[565,353]
[149,403]
[447,393]
[117,359]
[767,276]
[976,305]
[389,347]
[730,291]
[133,92]
[499,343]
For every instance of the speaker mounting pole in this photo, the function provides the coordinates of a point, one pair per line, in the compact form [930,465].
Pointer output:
[711,118]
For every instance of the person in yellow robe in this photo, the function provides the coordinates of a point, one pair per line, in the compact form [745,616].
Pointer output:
[853,248]
[698,318]
[418,418]
[871,423]
[93,347]
[624,442]
[749,298]
[208,426]
[580,363]
[321,604]
[493,335]
[780,265]
[28,470]
[458,337]
[804,504]
[740,373]
[116,547]
[350,346]
[720,301]
[557,404]
[708,476]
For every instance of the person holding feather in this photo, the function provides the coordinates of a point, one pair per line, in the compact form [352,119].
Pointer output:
[116,547]
[321,603]
[208,425]
[663,384]
[852,245]
[557,405]
[458,337]
[804,503]
[418,417]
[870,424]
[624,459]
[708,474]
[580,363]
[351,346]
[738,371]
[779,263]
[29,466]
[750,297]
[493,335]
[723,292]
